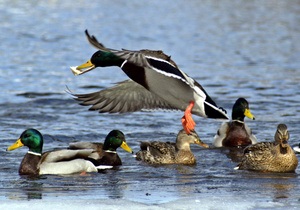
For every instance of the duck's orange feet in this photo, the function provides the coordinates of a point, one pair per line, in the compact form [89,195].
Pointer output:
[83,173]
[187,121]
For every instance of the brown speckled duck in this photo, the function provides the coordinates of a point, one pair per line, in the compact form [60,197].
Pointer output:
[158,153]
[156,83]
[277,156]
[236,133]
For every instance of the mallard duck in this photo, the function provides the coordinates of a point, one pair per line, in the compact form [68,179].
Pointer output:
[277,156]
[236,133]
[53,162]
[170,153]
[105,154]
[156,83]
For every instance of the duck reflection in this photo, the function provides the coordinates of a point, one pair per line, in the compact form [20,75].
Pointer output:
[28,187]
[234,153]
[114,184]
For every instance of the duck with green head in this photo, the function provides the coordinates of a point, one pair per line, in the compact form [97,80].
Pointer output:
[236,133]
[276,156]
[53,162]
[105,154]
[156,83]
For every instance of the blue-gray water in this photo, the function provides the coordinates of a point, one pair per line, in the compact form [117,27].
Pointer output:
[234,49]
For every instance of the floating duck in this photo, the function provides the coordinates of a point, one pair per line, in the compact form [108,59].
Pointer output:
[105,154]
[158,153]
[156,83]
[57,162]
[236,133]
[277,156]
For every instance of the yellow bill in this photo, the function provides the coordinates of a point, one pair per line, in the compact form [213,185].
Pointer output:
[125,146]
[201,143]
[248,114]
[83,68]
[15,145]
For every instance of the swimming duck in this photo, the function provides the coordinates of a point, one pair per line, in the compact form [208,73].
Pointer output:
[53,162]
[156,83]
[236,133]
[105,154]
[170,153]
[277,156]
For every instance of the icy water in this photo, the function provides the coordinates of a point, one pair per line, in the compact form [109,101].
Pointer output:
[234,49]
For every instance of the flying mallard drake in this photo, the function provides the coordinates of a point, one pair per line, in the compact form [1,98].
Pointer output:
[53,162]
[236,133]
[156,83]
[105,154]
[170,153]
[275,156]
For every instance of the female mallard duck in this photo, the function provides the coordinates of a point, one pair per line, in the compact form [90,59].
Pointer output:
[157,83]
[105,154]
[275,156]
[53,162]
[169,153]
[236,133]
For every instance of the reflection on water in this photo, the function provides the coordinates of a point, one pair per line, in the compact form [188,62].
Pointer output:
[27,188]
[235,154]
[281,191]
[114,185]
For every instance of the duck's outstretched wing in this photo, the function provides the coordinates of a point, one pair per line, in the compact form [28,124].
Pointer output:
[126,96]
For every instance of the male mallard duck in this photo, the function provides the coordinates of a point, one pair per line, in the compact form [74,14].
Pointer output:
[236,133]
[53,162]
[275,156]
[158,84]
[105,154]
[169,153]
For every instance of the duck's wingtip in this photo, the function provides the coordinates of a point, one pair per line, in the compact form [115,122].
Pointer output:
[236,168]
[296,149]
[103,167]
[68,90]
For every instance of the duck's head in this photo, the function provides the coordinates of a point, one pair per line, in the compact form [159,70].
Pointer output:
[99,59]
[114,140]
[184,140]
[241,109]
[282,135]
[31,138]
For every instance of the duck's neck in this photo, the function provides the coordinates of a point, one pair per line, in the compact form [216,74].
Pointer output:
[29,164]
[183,146]
[239,121]
[34,153]
[108,147]
[238,117]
